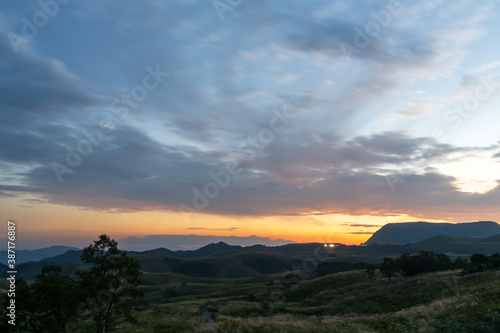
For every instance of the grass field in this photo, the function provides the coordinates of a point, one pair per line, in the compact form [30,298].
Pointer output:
[342,302]
[302,301]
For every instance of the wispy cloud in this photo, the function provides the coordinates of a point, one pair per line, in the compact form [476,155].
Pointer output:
[213,229]
[357,225]
[360,121]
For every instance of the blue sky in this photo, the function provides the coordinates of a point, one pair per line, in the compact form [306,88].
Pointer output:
[405,125]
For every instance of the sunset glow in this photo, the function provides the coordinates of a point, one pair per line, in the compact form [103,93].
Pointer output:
[289,122]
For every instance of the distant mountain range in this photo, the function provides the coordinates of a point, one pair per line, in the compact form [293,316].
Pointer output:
[183,242]
[396,233]
[413,232]
[23,256]
[459,246]
[295,250]
[220,260]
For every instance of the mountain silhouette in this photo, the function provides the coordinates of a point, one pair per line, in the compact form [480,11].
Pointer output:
[412,232]
[23,256]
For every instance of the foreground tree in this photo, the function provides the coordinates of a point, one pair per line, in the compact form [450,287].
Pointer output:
[55,296]
[480,262]
[370,271]
[25,307]
[388,268]
[423,262]
[55,303]
[109,285]
[494,261]
[47,305]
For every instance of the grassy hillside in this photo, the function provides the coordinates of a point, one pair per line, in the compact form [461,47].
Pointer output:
[341,302]
[224,261]
[29,270]
[300,301]
[233,264]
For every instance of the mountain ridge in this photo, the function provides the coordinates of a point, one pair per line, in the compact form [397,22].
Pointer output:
[23,256]
[412,232]
[220,260]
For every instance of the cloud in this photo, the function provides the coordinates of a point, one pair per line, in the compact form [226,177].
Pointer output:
[357,225]
[131,172]
[420,108]
[223,86]
[34,87]
[404,52]
[486,67]
[127,170]
[40,100]
[361,233]
[213,229]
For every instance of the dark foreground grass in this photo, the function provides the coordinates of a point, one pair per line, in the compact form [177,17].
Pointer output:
[342,302]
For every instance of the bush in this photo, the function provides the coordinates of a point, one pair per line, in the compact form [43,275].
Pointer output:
[409,265]
[480,262]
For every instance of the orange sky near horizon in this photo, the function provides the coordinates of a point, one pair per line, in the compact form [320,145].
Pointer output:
[67,225]
[275,132]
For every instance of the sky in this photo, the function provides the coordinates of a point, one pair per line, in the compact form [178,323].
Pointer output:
[317,121]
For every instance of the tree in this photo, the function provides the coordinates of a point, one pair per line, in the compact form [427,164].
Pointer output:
[494,261]
[478,261]
[370,271]
[460,263]
[423,262]
[56,298]
[25,307]
[388,268]
[47,305]
[110,284]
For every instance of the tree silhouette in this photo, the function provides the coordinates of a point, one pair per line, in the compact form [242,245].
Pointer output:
[388,268]
[423,262]
[110,284]
[478,261]
[370,271]
[56,298]
[25,309]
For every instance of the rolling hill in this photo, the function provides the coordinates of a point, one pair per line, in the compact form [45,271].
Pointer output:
[212,261]
[220,260]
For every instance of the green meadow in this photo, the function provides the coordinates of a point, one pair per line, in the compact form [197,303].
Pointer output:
[342,302]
